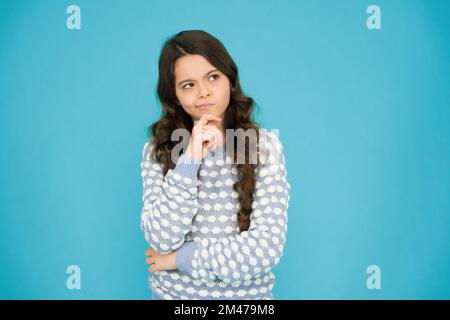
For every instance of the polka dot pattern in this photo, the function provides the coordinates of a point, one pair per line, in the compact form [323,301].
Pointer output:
[197,204]
[170,204]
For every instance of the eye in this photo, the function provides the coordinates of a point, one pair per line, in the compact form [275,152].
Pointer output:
[190,83]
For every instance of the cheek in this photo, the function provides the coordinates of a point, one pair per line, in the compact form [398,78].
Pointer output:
[224,93]
[187,100]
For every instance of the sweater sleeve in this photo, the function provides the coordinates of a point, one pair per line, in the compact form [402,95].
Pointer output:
[254,252]
[169,202]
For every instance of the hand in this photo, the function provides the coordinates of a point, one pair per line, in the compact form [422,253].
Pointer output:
[159,262]
[205,134]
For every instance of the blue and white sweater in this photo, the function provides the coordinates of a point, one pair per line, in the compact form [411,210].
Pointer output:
[193,209]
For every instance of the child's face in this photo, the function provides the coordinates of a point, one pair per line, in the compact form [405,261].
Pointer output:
[203,85]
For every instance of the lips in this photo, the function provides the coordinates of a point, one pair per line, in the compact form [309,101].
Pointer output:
[205,105]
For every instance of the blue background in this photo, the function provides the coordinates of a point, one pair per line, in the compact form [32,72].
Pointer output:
[363,115]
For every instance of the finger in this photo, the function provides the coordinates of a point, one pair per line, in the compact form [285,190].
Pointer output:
[149,260]
[207,136]
[149,252]
[211,127]
[153,268]
[213,130]
[208,144]
[218,136]
[208,117]
[213,144]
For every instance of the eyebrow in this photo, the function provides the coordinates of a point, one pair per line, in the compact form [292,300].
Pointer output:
[193,80]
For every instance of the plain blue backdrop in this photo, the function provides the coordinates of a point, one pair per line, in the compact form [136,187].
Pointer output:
[364,117]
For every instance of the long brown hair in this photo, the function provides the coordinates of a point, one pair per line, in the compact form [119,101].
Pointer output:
[238,114]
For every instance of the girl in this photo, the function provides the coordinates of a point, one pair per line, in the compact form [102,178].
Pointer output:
[215,220]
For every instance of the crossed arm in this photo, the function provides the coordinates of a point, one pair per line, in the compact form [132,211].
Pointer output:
[159,262]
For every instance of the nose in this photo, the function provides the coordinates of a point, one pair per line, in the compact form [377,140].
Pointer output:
[204,91]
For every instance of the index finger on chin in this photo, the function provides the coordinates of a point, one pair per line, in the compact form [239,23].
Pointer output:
[208,117]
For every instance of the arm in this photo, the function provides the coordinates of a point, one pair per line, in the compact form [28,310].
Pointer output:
[253,252]
[169,202]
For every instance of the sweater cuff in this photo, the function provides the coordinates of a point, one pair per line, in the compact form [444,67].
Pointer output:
[184,257]
[187,167]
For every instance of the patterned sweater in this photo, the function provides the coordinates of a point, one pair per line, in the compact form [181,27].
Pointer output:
[193,209]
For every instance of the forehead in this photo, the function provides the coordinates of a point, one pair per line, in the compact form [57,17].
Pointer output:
[191,66]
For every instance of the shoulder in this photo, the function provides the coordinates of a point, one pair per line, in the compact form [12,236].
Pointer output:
[149,165]
[147,149]
[148,161]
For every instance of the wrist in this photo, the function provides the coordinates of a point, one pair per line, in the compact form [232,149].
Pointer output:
[173,260]
[191,154]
